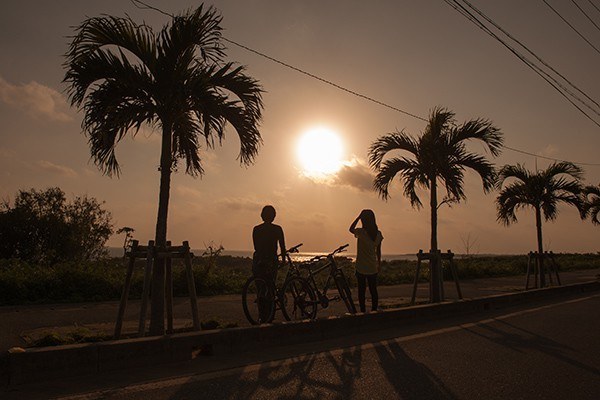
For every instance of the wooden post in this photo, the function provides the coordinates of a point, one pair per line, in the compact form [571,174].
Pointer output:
[537,268]
[125,293]
[146,290]
[414,293]
[454,272]
[169,290]
[440,260]
[191,285]
[555,266]
[528,271]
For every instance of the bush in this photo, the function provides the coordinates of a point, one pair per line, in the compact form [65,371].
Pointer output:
[43,228]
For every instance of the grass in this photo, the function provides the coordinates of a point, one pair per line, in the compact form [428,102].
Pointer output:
[22,283]
[82,334]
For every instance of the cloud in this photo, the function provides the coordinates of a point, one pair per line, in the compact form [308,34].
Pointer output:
[188,192]
[57,169]
[355,174]
[35,99]
[549,151]
[241,204]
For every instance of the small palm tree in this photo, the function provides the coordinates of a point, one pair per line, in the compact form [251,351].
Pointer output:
[438,156]
[124,75]
[542,191]
[591,203]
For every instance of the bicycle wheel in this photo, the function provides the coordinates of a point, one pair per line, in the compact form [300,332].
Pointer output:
[345,293]
[297,300]
[258,301]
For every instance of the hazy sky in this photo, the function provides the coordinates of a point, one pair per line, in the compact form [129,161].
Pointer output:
[413,55]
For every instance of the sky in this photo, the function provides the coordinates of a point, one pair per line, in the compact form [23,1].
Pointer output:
[413,55]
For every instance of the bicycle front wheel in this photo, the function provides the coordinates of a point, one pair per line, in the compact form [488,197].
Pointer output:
[258,301]
[298,300]
[345,294]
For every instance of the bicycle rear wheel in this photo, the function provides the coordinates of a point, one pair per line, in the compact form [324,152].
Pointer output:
[258,301]
[297,300]
[345,294]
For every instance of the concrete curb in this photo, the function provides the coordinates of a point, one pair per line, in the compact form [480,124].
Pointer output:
[38,364]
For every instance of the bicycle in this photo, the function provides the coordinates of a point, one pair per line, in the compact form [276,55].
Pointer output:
[336,274]
[295,299]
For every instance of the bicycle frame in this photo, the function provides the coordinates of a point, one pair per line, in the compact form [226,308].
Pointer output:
[333,271]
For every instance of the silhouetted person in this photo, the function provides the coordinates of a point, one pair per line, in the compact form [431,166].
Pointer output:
[266,236]
[368,256]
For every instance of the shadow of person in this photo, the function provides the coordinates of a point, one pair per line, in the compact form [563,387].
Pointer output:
[409,378]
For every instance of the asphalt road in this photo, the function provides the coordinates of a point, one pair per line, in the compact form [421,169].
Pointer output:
[541,351]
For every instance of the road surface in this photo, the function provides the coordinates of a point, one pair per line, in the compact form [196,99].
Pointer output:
[547,350]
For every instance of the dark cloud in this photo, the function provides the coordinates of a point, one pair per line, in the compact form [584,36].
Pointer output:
[355,174]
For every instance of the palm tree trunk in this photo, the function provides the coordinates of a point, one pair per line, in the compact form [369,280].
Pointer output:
[434,262]
[157,316]
[538,225]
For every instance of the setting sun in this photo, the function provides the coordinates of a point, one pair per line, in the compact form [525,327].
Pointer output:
[320,151]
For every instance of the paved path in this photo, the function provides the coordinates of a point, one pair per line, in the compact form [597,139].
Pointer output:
[20,321]
[541,350]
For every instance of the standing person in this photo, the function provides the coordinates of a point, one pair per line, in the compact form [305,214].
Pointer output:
[368,256]
[266,236]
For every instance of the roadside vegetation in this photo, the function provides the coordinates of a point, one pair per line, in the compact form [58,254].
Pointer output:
[100,280]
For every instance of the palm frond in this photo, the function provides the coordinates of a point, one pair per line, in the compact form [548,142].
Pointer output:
[517,171]
[479,129]
[511,198]
[197,30]
[389,169]
[95,33]
[390,142]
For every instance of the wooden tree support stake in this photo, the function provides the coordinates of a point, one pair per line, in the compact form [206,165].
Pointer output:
[433,257]
[535,260]
[151,253]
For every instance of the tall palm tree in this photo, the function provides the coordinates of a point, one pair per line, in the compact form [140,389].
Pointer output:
[591,203]
[438,156]
[542,190]
[124,75]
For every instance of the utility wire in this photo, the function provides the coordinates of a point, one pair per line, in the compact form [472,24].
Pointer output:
[586,14]
[142,5]
[504,31]
[328,82]
[571,26]
[593,5]
[552,81]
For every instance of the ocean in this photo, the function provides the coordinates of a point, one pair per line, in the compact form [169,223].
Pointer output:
[118,252]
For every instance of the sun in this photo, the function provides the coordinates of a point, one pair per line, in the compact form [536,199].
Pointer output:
[320,152]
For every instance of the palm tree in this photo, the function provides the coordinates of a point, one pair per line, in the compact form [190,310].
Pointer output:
[438,156]
[591,203]
[542,191]
[124,75]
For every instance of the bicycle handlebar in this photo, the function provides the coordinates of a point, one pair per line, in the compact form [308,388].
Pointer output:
[338,250]
[294,249]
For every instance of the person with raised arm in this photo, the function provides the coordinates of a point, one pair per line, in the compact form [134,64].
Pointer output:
[368,257]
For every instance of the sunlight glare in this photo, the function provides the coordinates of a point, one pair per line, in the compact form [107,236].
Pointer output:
[320,152]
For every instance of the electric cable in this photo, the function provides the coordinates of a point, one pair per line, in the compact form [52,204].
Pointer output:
[585,14]
[571,26]
[142,5]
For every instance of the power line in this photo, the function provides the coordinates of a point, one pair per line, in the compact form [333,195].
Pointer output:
[549,158]
[328,82]
[504,31]
[593,5]
[586,14]
[552,81]
[571,26]
[142,5]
